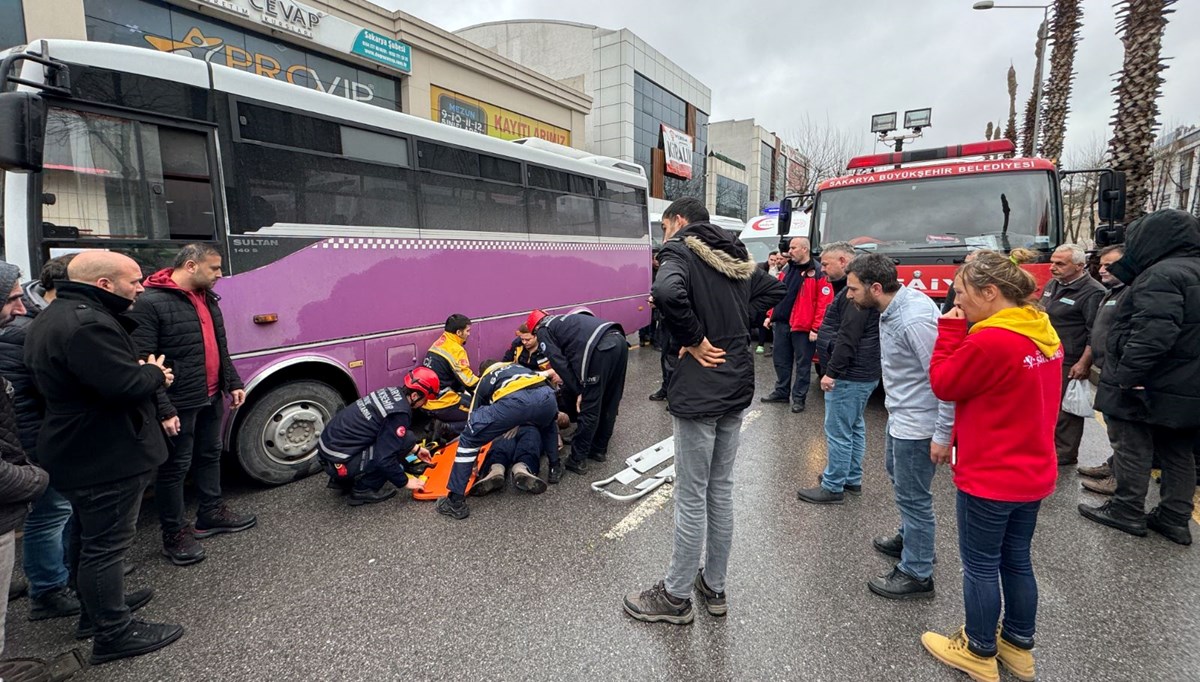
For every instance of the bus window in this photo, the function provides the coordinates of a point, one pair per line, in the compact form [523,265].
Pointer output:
[556,214]
[451,203]
[623,220]
[114,178]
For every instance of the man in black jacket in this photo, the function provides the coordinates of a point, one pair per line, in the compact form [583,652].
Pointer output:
[101,440]
[1150,386]
[848,348]
[178,316]
[707,287]
[21,482]
[44,543]
[590,356]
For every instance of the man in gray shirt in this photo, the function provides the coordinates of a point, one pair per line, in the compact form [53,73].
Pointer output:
[1071,300]
[919,425]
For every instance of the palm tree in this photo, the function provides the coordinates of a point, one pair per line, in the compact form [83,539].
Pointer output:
[1027,141]
[1065,33]
[1142,23]
[1010,131]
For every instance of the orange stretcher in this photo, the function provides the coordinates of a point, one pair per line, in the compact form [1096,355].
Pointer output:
[437,475]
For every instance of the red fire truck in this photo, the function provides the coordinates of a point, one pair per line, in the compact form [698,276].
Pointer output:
[927,216]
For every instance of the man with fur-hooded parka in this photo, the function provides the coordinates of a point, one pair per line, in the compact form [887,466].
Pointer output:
[694,296]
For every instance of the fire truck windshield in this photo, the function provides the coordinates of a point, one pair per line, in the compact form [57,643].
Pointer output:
[994,211]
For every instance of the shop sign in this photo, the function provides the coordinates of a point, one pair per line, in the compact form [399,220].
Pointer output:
[477,116]
[678,149]
[385,50]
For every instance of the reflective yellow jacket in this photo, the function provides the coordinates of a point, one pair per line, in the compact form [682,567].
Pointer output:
[449,360]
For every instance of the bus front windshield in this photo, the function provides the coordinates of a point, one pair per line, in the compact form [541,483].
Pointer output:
[993,211]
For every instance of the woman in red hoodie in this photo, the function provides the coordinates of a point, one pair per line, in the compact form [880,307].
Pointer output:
[1004,374]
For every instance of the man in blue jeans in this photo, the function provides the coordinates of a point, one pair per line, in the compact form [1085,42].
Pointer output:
[919,425]
[707,287]
[848,347]
[794,323]
[45,535]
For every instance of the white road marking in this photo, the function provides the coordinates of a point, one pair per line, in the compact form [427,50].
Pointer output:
[657,499]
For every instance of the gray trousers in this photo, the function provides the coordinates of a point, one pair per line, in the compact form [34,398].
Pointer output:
[8,556]
[704,453]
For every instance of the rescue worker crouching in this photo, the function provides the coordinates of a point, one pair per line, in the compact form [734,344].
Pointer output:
[507,397]
[448,358]
[370,442]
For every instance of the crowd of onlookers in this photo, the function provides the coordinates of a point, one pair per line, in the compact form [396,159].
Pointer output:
[980,385]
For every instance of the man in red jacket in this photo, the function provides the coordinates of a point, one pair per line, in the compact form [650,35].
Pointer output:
[796,321]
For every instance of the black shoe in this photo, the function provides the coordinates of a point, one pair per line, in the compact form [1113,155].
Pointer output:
[715,601]
[578,466]
[133,601]
[526,480]
[58,603]
[658,396]
[25,670]
[455,510]
[773,398]
[361,496]
[853,489]
[891,545]
[1104,515]
[655,605]
[17,588]
[1174,532]
[139,638]
[493,481]
[598,455]
[182,548]
[819,495]
[900,585]
[554,475]
[797,408]
[223,520]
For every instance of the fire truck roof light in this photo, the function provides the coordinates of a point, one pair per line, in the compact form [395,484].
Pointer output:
[937,153]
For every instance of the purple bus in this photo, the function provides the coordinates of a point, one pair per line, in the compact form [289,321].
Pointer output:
[350,232]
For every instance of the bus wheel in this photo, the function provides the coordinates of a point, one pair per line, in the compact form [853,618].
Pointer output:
[277,439]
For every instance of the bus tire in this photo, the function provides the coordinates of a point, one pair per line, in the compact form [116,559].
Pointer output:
[277,439]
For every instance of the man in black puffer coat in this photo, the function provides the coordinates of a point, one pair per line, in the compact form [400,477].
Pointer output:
[707,287]
[1150,387]
[21,482]
[178,316]
[44,543]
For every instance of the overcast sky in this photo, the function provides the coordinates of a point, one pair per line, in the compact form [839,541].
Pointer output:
[778,60]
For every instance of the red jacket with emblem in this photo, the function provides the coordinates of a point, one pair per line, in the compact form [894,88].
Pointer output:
[815,295]
[1005,378]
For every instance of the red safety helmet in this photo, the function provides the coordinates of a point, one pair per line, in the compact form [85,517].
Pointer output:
[424,381]
[534,319]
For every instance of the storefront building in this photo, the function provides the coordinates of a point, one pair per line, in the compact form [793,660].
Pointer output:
[349,48]
[645,108]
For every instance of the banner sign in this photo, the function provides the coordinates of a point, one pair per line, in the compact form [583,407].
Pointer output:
[678,148]
[468,113]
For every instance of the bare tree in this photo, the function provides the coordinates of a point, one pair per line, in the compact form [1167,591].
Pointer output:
[1065,34]
[826,147]
[1142,24]
[1079,192]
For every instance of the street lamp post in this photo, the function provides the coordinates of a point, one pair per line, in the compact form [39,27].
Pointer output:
[1037,85]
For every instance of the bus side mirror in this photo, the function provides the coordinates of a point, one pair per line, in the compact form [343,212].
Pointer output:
[22,131]
[785,216]
[1111,197]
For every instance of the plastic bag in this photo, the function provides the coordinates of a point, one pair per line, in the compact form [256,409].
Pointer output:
[1078,399]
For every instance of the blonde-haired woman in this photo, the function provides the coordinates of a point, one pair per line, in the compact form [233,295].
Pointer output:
[998,358]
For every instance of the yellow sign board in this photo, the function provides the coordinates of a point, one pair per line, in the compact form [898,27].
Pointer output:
[471,114]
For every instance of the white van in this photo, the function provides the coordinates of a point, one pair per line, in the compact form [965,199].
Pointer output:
[761,234]
[731,225]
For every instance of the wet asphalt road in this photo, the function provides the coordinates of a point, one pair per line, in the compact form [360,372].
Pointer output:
[530,587]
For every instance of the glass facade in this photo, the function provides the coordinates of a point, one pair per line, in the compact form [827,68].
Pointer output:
[731,197]
[780,186]
[12,24]
[157,26]
[654,106]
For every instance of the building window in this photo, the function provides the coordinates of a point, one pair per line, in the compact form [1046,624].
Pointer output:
[654,106]
[732,197]
[766,165]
